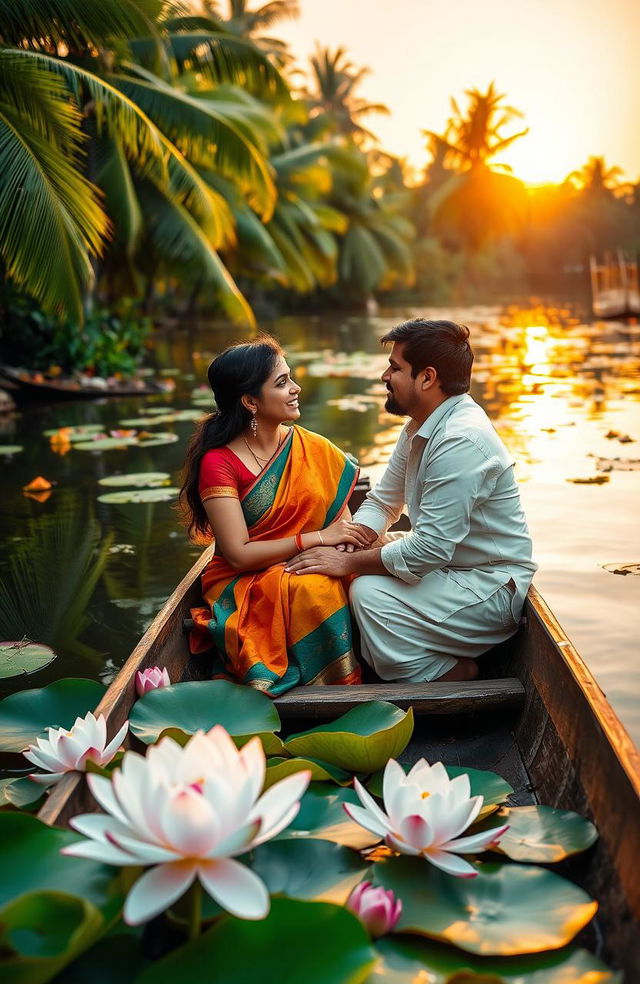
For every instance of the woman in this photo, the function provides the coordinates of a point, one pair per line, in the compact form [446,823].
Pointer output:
[266,492]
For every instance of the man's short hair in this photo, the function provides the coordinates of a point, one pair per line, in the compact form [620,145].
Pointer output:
[444,345]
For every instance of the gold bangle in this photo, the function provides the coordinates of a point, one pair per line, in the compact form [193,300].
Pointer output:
[320,535]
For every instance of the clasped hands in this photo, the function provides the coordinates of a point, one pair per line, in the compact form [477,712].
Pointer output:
[340,539]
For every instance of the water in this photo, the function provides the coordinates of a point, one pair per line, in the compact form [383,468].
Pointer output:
[92,575]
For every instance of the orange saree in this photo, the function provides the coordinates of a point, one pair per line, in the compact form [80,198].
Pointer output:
[270,629]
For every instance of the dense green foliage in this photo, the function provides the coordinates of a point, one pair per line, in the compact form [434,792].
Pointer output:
[171,159]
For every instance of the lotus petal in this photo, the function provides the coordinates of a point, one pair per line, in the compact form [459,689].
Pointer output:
[235,888]
[157,890]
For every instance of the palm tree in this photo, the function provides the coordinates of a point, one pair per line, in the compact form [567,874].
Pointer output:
[595,177]
[53,223]
[333,103]
[245,23]
[478,203]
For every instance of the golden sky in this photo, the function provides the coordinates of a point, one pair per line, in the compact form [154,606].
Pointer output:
[571,66]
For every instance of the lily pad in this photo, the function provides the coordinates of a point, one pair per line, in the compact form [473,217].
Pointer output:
[7,449]
[315,870]
[322,816]
[139,495]
[362,740]
[138,422]
[24,793]
[105,444]
[199,704]
[75,433]
[160,411]
[151,440]
[542,834]
[505,910]
[492,787]
[278,768]
[30,861]
[140,480]
[312,942]
[28,714]
[42,932]
[412,961]
[22,657]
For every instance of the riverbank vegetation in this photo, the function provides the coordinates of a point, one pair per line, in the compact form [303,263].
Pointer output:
[166,165]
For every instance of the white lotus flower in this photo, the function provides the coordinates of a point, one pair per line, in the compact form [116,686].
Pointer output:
[189,811]
[426,811]
[153,678]
[65,751]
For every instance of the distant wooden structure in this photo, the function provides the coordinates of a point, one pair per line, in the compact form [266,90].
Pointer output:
[614,286]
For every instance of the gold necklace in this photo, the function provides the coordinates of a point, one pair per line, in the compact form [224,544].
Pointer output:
[261,462]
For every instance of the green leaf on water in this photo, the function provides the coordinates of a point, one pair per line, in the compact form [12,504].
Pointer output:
[198,705]
[322,816]
[106,444]
[8,449]
[278,768]
[507,909]
[315,870]
[312,942]
[22,657]
[413,961]
[139,495]
[156,439]
[362,740]
[140,480]
[24,794]
[541,834]
[25,716]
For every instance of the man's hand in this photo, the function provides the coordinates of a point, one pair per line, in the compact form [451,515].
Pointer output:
[321,560]
[366,535]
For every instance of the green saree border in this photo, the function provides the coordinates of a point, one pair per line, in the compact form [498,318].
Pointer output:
[345,485]
[262,493]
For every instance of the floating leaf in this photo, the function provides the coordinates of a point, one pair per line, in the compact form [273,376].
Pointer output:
[200,704]
[160,411]
[7,449]
[105,444]
[322,816]
[592,480]
[542,834]
[278,768]
[139,495]
[623,569]
[42,932]
[24,793]
[116,957]
[505,910]
[362,740]
[138,422]
[30,861]
[77,433]
[151,440]
[140,480]
[298,941]
[25,716]
[19,658]
[413,961]
[314,870]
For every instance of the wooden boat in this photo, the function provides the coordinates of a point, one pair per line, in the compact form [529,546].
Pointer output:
[23,386]
[614,286]
[538,718]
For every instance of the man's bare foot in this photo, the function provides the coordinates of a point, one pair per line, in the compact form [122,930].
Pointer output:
[465,669]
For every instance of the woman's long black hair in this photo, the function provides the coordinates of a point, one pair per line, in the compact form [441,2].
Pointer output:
[239,370]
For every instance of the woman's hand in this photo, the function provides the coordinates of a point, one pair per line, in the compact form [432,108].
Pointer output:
[343,533]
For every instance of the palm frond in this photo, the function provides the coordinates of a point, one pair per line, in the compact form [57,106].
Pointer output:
[226,59]
[43,23]
[204,130]
[362,262]
[180,243]
[51,219]
[114,178]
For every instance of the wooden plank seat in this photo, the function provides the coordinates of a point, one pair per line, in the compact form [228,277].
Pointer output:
[438,697]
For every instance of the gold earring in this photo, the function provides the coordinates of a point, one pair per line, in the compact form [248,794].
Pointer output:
[254,423]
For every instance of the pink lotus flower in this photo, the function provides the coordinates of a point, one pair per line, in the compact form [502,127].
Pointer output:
[65,751]
[189,811]
[153,678]
[378,910]
[426,811]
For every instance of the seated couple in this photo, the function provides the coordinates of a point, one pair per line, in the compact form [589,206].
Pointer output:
[289,555]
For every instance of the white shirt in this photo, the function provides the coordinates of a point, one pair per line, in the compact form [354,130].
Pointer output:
[456,478]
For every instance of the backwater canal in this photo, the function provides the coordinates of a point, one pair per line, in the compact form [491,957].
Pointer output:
[87,577]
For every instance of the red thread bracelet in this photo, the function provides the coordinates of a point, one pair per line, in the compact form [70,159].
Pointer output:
[298,541]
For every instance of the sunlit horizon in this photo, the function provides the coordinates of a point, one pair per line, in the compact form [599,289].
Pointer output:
[569,66]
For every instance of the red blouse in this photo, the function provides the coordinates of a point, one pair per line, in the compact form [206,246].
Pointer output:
[222,473]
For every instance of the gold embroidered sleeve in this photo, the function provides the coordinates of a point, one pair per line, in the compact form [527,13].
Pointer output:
[219,492]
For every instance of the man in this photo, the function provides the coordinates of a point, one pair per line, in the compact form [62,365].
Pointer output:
[429,603]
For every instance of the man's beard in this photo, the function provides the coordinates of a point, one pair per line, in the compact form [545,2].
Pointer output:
[392,406]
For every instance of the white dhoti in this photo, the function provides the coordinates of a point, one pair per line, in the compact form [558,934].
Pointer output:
[415,632]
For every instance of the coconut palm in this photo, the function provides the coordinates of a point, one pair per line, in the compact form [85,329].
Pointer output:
[595,177]
[332,99]
[51,105]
